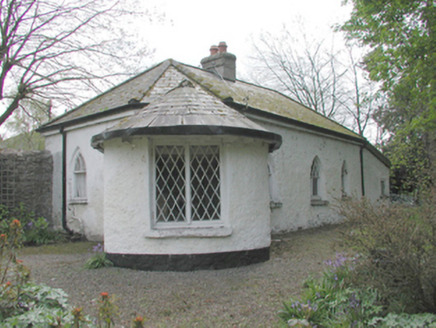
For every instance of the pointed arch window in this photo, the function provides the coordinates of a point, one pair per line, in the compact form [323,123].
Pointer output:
[315,179]
[316,184]
[79,177]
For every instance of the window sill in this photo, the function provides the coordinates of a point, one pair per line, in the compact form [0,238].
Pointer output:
[191,232]
[319,202]
[78,202]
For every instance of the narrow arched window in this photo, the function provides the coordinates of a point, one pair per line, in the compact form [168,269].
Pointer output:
[344,179]
[79,191]
[315,179]
[317,191]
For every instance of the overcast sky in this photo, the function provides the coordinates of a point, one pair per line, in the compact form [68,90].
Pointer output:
[192,26]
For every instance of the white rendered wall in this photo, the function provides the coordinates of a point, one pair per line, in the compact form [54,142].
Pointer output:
[245,201]
[86,218]
[374,172]
[292,164]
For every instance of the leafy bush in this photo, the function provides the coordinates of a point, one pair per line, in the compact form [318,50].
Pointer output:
[36,231]
[26,304]
[393,320]
[332,301]
[98,259]
[397,247]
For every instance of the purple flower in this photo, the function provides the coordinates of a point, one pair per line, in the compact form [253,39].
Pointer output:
[98,248]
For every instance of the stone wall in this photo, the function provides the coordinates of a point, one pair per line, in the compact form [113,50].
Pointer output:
[26,177]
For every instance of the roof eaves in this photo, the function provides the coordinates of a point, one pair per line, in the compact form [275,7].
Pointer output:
[357,138]
[165,65]
[91,117]
[260,113]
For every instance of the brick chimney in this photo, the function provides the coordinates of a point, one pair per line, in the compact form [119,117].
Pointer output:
[220,62]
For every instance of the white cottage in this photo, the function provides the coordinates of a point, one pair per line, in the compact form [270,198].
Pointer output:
[184,168]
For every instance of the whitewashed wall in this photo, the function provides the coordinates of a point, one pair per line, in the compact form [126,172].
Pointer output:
[292,164]
[86,218]
[374,172]
[245,202]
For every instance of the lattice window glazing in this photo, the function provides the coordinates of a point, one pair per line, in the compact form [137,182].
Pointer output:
[170,184]
[187,184]
[205,183]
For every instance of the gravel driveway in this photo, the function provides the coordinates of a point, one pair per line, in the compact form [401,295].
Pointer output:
[241,297]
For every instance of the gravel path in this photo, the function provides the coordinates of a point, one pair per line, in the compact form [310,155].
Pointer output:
[241,297]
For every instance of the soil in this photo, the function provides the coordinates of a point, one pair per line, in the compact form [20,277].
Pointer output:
[249,296]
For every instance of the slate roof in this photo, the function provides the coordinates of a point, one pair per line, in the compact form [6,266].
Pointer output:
[187,110]
[157,81]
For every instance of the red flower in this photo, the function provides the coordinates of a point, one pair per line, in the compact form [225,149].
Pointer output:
[16,223]
[138,319]
[104,295]
[77,311]
[8,283]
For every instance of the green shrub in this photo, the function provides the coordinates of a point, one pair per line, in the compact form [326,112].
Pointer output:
[36,230]
[98,259]
[403,320]
[397,248]
[332,301]
[26,304]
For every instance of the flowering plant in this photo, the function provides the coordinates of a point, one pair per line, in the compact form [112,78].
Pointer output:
[98,259]
[332,301]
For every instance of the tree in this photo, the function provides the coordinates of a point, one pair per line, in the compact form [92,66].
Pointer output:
[315,74]
[60,50]
[401,36]
[23,123]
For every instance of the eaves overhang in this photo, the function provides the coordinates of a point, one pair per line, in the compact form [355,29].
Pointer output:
[274,140]
[317,129]
[187,110]
[90,118]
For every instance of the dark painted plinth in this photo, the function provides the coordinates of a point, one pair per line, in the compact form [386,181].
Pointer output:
[191,262]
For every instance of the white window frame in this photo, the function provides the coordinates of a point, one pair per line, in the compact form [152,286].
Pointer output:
[79,192]
[189,223]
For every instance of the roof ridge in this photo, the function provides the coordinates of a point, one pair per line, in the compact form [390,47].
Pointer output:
[265,88]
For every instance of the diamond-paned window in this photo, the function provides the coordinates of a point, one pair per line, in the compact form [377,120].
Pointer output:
[187,184]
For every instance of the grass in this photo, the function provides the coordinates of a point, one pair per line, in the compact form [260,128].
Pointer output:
[58,249]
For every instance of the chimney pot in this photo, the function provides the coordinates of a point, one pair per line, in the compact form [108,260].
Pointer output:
[220,62]
[222,47]
[213,50]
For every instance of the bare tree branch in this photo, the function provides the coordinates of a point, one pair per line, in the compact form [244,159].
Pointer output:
[49,47]
[320,78]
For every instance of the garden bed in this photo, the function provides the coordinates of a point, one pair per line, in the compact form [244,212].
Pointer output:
[241,297]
